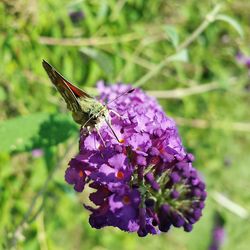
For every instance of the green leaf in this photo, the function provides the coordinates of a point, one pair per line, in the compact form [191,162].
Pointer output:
[181,56]
[55,129]
[16,133]
[35,131]
[231,22]
[172,35]
[50,157]
[101,58]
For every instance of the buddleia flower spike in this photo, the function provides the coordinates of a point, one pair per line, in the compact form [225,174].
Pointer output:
[146,182]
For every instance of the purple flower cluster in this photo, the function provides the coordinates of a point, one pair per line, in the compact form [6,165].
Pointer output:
[144,182]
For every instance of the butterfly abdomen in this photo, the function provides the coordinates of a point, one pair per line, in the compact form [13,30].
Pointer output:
[80,117]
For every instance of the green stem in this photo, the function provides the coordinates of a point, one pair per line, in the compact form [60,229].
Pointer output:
[26,218]
[211,17]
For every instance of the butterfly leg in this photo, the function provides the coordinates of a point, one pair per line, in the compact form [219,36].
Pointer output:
[84,131]
[98,132]
[114,112]
[118,115]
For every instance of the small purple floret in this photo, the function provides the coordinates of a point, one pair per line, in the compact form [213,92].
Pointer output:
[242,58]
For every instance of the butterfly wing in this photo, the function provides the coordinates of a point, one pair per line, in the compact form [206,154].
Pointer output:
[68,91]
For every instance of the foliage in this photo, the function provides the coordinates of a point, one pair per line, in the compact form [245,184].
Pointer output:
[133,41]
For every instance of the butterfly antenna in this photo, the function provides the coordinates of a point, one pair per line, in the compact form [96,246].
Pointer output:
[125,93]
[108,123]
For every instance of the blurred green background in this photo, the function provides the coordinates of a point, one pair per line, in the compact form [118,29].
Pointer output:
[182,52]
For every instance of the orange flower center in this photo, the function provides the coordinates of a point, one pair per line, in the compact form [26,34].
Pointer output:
[80,173]
[126,200]
[120,175]
[162,150]
[155,160]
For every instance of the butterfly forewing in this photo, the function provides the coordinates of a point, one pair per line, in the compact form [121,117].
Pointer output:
[86,110]
[69,92]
